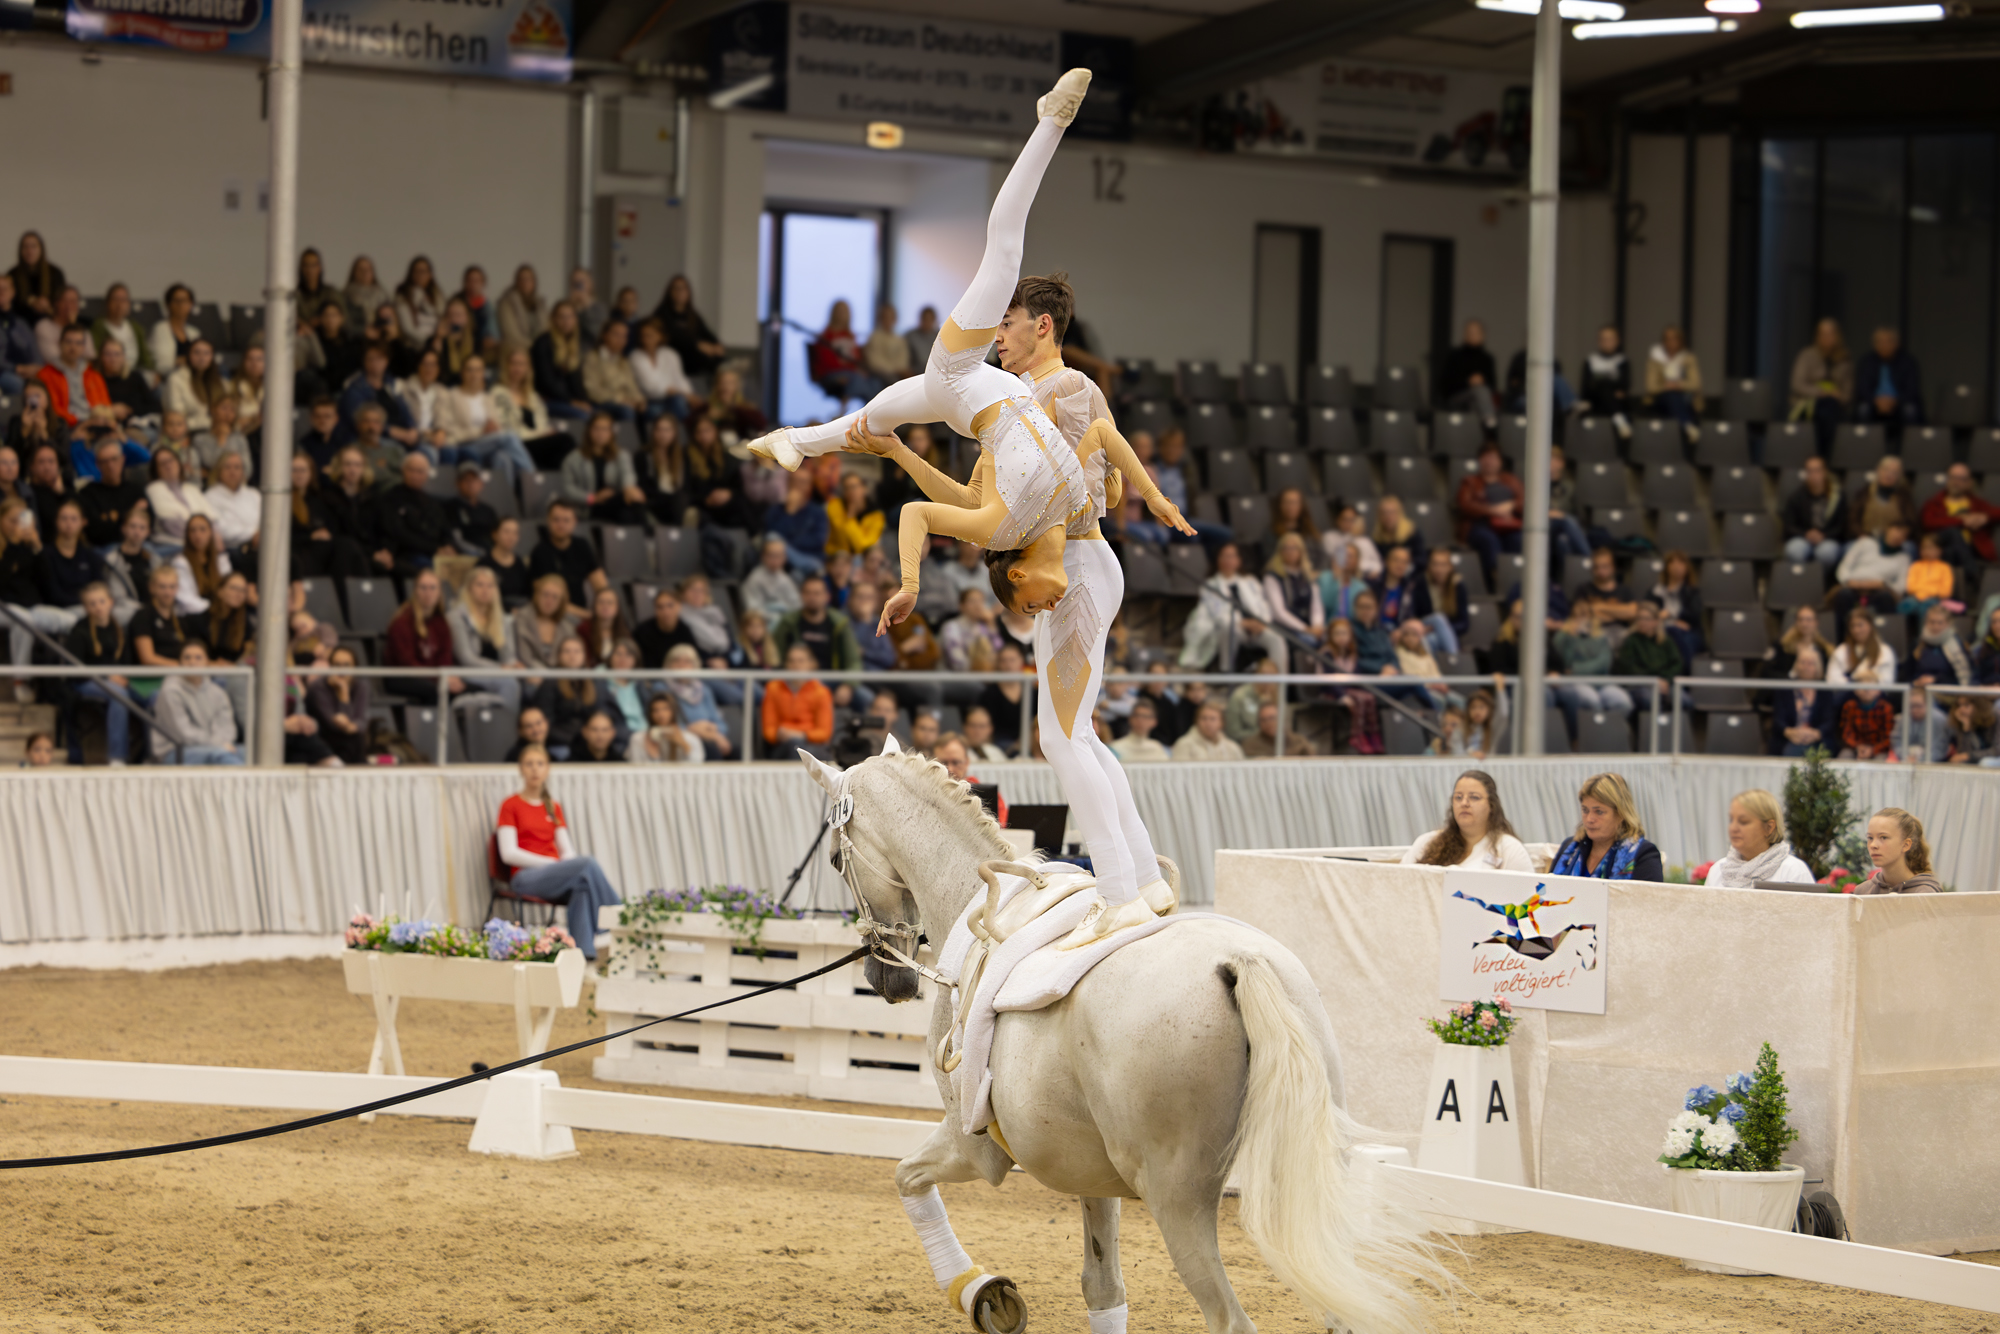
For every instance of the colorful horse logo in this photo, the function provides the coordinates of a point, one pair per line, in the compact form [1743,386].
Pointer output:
[1537,946]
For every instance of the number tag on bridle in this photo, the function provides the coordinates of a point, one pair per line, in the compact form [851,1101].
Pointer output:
[841,812]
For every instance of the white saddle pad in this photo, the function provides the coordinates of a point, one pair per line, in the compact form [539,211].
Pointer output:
[1024,972]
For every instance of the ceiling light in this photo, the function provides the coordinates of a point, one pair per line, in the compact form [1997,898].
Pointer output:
[1842,18]
[1583,32]
[1732,6]
[1602,10]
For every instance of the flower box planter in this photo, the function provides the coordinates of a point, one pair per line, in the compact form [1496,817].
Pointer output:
[528,987]
[828,1038]
[1761,1199]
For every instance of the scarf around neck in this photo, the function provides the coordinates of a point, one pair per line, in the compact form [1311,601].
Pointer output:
[1732,872]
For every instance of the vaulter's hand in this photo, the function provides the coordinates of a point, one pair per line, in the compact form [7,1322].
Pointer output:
[896,610]
[862,441]
[1169,514]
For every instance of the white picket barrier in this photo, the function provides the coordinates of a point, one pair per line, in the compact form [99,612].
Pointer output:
[828,1038]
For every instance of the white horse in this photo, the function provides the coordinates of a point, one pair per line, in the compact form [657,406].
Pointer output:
[1198,1048]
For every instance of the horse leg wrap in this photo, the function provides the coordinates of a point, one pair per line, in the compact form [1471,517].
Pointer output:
[1108,1322]
[948,1258]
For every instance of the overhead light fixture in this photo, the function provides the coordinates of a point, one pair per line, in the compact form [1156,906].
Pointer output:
[742,92]
[1584,32]
[1846,18]
[1732,6]
[1599,10]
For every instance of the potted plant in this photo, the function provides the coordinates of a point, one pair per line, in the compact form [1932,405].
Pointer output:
[1725,1154]
[1472,1121]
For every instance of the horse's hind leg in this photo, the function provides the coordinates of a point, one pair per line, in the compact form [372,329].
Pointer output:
[1103,1282]
[1187,1223]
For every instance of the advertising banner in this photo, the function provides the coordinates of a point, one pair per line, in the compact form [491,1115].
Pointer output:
[1372,110]
[503,39]
[1534,940]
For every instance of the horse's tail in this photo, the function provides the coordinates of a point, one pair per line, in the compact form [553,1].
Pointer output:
[1323,1220]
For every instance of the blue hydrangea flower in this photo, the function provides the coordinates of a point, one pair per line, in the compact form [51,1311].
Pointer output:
[1699,1098]
[1734,1113]
[410,933]
[1739,1083]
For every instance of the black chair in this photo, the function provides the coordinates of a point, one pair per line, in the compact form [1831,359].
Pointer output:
[1926,448]
[1287,468]
[1401,735]
[537,490]
[1329,387]
[500,888]
[1960,405]
[1737,490]
[1729,583]
[1187,564]
[1603,734]
[1724,444]
[1230,472]
[1555,733]
[1856,445]
[1331,430]
[1263,382]
[1348,476]
[1657,440]
[1513,435]
[1457,435]
[1895,631]
[1788,445]
[1410,479]
[1747,401]
[639,595]
[371,605]
[1201,382]
[1796,585]
[1468,568]
[1269,427]
[1250,516]
[1146,572]
[1576,572]
[1750,536]
[625,553]
[1715,699]
[1683,530]
[1433,519]
[1739,632]
[1601,484]
[1667,486]
[1619,521]
[487,735]
[677,553]
[1148,414]
[1209,427]
[245,323]
[1734,734]
[420,725]
[1591,439]
[323,601]
[1398,387]
[1482,622]
[1393,434]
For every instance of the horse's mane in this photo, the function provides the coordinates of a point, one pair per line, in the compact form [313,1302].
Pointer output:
[948,788]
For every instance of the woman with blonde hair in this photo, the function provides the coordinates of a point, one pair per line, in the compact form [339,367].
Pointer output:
[541,627]
[558,360]
[1901,857]
[201,566]
[1758,851]
[1610,842]
[1292,589]
[1475,831]
[482,636]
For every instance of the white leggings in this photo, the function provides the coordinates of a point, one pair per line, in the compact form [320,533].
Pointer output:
[1121,852]
[956,387]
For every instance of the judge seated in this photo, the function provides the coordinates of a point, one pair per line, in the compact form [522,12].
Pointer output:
[1757,847]
[1475,831]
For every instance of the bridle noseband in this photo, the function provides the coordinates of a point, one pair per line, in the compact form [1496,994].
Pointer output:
[873,931]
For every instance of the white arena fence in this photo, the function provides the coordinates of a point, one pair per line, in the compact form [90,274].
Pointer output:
[138,854]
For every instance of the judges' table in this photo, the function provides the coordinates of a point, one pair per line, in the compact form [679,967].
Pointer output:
[1881,1010]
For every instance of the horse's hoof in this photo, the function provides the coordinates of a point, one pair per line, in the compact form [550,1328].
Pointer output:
[998,1309]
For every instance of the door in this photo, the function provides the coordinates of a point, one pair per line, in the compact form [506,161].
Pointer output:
[1416,304]
[1285,320]
[813,260]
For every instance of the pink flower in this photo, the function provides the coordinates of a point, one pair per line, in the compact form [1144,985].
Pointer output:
[1487,1019]
[1506,1005]
[1700,873]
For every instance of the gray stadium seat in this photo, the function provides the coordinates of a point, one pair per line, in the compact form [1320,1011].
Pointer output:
[1393,434]
[1747,400]
[1263,382]
[1231,473]
[1410,479]
[1471,571]
[1591,439]
[1347,476]
[1800,585]
[624,552]
[1200,382]
[324,602]
[1602,734]
[1433,520]
[443,483]
[371,605]
[1288,468]
[1329,387]
[1209,426]
[1147,414]
[245,323]
[1187,567]
[501,494]
[1657,440]
[1146,572]
[1317,510]
[1601,484]
[1482,622]
[1555,732]
[1895,632]
[677,553]
[1960,405]
[1331,430]
[420,725]
[1513,435]
[1576,571]
[1507,572]
[1857,445]
[1667,486]
[1926,448]
[1982,455]
[1739,632]
[639,595]
[1250,516]
[1267,426]
[1665,728]
[1619,521]
[1457,435]
[211,320]
[1723,445]
[1401,735]
[1737,489]
[537,490]
[1787,445]
[1734,734]
[1729,583]
[1752,536]
[488,735]
[1683,530]
[1713,699]
[1399,387]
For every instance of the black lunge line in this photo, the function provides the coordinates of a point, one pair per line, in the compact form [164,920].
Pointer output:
[265,1132]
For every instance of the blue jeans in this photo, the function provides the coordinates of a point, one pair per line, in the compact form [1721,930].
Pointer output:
[508,688]
[675,404]
[501,446]
[803,562]
[567,410]
[617,410]
[206,755]
[1798,551]
[1206,532]
[580,886]
[1676,404]
[1443,637]
[1489,542]
[1566,536]
[117,723]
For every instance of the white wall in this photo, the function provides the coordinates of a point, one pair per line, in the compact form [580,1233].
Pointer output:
[122,165]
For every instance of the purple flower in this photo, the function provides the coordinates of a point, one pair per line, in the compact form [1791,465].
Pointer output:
[1699,1097]
[1734,1113]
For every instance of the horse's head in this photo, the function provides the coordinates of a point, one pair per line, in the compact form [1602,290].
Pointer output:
[864,853]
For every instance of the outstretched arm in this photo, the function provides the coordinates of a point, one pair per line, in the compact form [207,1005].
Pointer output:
[935,484]
[1103,435]
[1461,894]
[921,519]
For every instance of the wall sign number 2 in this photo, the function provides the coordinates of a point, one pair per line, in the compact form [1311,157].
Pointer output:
[1108,177]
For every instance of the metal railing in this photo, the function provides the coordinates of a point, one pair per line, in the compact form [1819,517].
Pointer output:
[1684,683]
[1938,697]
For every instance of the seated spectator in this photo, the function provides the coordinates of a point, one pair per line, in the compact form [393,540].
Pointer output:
[1679,602]
[1822,382]
[423,393]
[1402,595]
[769,587]
[338,702]
[1863,649]
[1806,715]
[97,640]
[1469,380]
[1207,741]
[925,731]
[571,556]
[700,709]
[1900,855]
[1872,574]
[1882,498]
[201,564]
[519,410]
[854,521]
[1001,699]
[657,370]
[597,741]
[1867,721]
[66,564]
[328,354]
[664,740]
[1803,630]
[544,623]
[1673,381]
[1939,657]
[36,282]
[662,469]
[421,636]
[39,752]
[1886,387]
[238,509]
[557,356]
[1231,613]
[1581,648]
[604,627]
[1971,737]
[135,407]
[827,634]
[128,566]
[247,388]
[419,302]
[1650,650]
[159,630]
[878,650]
[1343,657]
[1290,515]
[800,522]
[836,360]
[1348,533]
[535,840]
[1930,581]
[1758,852]
[897,488]
[1962,518]
[1342,584]
[107,501]
[591,313]
[35,431]
[222,438]
[1374,642]
[503,558]
[382,456]
[412,522]
[567,701]
[687,332]
[482,638]
[886,355]
[1475,831]
[349,503]
[173,338]
[469,520]
[49,330]
[77,394]
[980,746]
[1263,742]
[1291,589]
[736,418]
[1239,714]
[232,637]
[1610,842]
[1414,658]
[1607,381]
[1443,592]
[1394,528]
[458,340]
[798,714]
[321,440]
[1138,745]
[196,722]
[522,311]
[1489,506]
[532,729]
[598,477]
[483,310]
[608,376]
[372,387]
[18,353]
[656,637]
[1986,660]
[1566,535]
[1603,591]
[1815,517]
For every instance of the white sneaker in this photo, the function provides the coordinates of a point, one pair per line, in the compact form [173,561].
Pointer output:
[1061,102]
[1102,920]
[777,446]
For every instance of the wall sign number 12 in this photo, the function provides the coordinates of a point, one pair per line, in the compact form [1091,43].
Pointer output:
[1108,176]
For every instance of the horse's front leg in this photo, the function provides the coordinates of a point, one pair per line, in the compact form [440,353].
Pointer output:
[950,1155]
[1103,1281]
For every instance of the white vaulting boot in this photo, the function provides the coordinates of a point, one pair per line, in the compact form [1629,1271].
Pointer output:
[1163,895]
[777,447]
[1102,919]
[1062,101]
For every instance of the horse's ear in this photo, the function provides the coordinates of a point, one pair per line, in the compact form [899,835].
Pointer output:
[891,746]
[822,773]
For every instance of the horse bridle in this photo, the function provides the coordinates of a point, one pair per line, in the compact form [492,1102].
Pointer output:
[873,930]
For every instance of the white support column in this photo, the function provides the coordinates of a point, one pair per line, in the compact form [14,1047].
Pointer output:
[1544,194]
[274,554]
[586,180]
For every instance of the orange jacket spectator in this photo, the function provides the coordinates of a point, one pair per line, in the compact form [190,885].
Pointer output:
[805,706]
[58,386]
